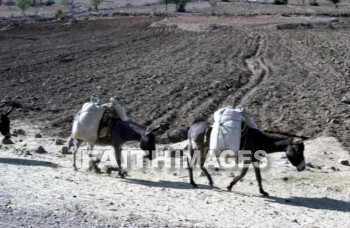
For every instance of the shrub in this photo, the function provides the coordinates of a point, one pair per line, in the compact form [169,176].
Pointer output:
[280,2]
[37,3]
[9,3]
[66,2]
[34,3]
[335,2]
[213,4]
[49,2]
[59,14]
[180,5]
[285,15]
[22,4]
[95,4]
[166,2]
[313,3]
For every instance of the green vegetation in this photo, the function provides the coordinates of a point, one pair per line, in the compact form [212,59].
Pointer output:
[23,5]
[59,14]
[66,2]
[213,4]
[95,3]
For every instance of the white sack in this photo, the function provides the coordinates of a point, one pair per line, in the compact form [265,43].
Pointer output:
[248,118]
[121,112]
[117,108]
[87,122]
[226,131]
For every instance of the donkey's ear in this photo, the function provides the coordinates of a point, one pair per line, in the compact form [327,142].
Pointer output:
[8,111]
[155,129]
[297,140]
[305,137]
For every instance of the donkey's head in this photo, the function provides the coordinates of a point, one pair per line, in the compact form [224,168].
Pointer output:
[148,140]
[295,153]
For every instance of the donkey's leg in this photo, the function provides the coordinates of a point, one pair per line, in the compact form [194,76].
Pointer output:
[77,143]
[204,151]
[93,160]
[190,169]
[117,152]
[211,183]
[246,164]
[258,178]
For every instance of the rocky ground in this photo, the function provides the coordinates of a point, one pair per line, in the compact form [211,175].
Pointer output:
[289,65]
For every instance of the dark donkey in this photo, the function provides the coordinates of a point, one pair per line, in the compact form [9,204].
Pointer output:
[121,132]
[253,140]
[4,119]
[5,123]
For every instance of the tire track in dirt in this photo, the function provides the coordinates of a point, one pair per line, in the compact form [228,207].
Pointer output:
[259,70]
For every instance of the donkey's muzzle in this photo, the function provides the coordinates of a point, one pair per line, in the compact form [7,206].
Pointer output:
[301,166]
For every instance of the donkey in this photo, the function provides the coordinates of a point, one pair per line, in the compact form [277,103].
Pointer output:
[5,123]
[252,140]
[121,132]
[4,119]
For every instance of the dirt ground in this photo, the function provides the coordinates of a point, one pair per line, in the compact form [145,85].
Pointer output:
[42,190]
[183,68]
[288,65]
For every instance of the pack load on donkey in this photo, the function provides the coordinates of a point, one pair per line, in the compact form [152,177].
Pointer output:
[226,130]
[93,120]
[112,110]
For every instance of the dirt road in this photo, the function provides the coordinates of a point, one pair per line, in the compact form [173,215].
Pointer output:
[43,190]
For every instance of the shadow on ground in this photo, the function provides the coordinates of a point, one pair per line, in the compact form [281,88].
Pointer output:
[27,162]
[323,203]
[168,184]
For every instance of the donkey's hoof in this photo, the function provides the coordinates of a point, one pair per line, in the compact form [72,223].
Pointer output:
[265,194]
[229,188]
[98,171]
[194,185]
[123,175]
[94,170]
[75,168]
[108,171]
[211,184]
